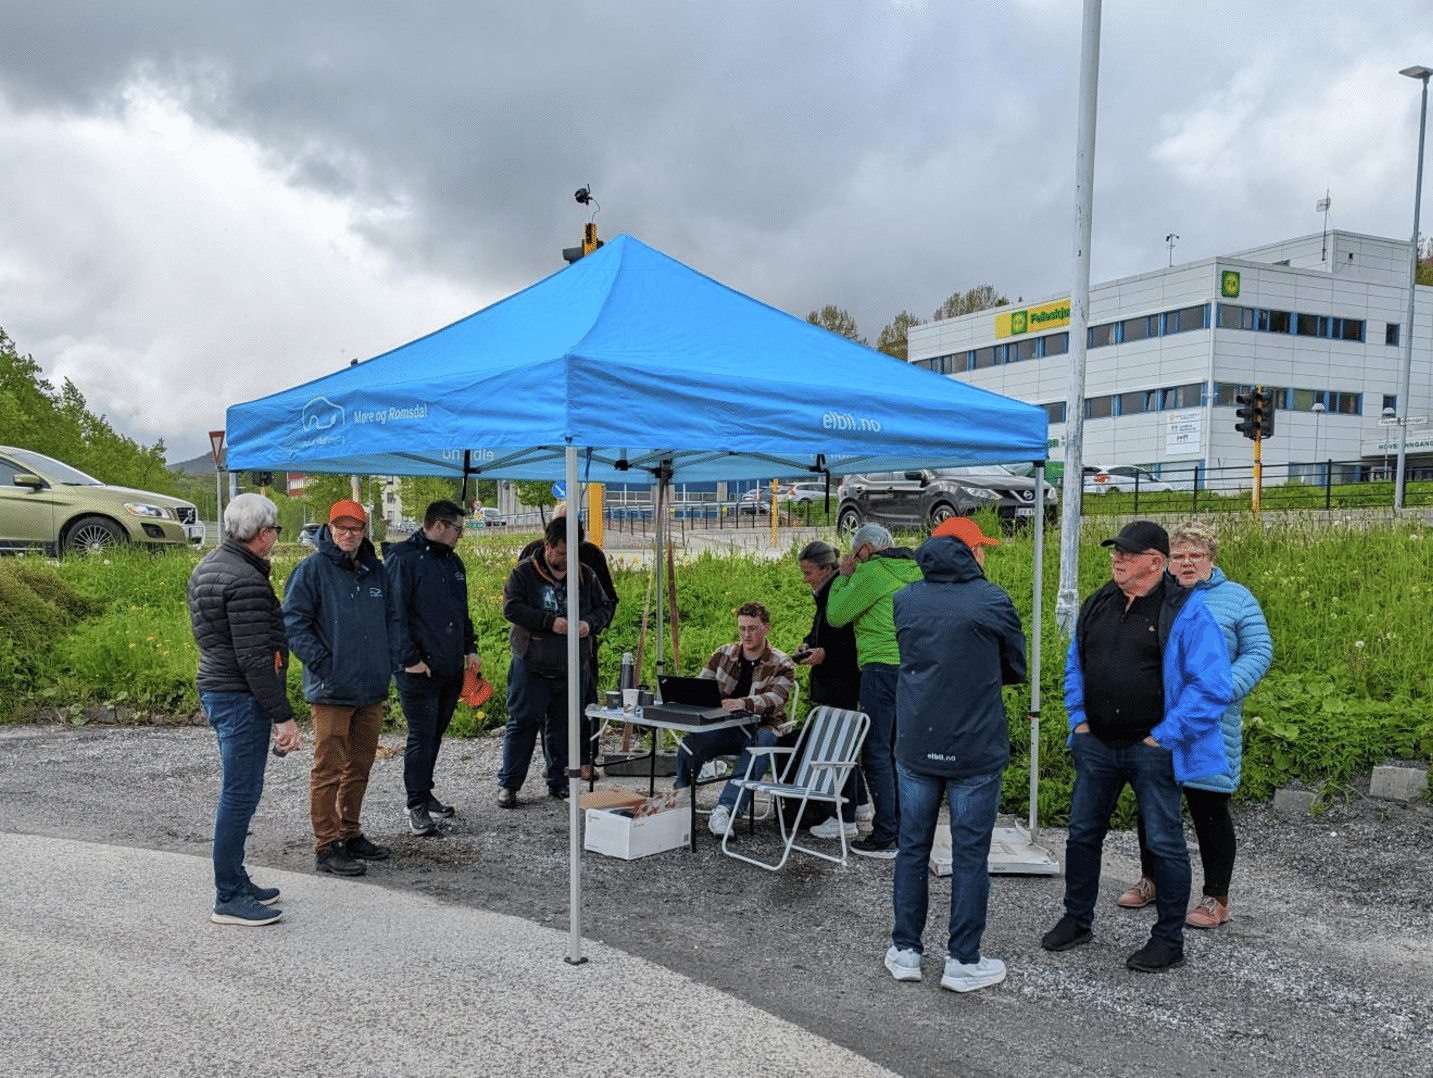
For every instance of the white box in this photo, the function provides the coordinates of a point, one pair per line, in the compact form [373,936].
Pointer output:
[621,836]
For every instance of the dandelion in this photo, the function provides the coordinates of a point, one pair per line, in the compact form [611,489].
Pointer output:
[133,644]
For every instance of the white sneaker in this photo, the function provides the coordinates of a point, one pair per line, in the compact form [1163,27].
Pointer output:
[865,813]
[720,821]
[904,963]
[833,827]
[967,977]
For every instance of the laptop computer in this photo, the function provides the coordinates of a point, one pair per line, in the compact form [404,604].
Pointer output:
[689,699]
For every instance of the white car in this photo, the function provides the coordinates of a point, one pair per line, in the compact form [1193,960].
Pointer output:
[809,492]
[1122,477]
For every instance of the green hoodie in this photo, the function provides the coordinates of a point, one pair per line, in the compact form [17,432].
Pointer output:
[864,598]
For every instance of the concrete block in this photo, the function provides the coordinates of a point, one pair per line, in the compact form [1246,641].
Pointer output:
[1398,783]
[1293,802]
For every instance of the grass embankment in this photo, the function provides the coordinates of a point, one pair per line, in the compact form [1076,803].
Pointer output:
[1350,685]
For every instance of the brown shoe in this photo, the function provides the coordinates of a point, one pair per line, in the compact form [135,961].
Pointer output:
[1210,913]
[1138,896]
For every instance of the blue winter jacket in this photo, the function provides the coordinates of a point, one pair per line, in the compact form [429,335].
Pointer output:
[341,622]
[1251,650]
[1197,682]
[430,593]
[960,641]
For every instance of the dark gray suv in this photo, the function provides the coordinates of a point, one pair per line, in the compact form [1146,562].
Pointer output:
[921,500]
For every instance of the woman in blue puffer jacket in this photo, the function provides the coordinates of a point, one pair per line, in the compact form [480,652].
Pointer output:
[1192,549]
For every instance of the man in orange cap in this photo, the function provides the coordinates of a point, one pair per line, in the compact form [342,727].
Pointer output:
[341,624]
[960,642]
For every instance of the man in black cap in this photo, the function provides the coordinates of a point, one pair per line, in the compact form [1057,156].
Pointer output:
[1146,680]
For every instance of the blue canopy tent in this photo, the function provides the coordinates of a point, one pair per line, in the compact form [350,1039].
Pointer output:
[646,368]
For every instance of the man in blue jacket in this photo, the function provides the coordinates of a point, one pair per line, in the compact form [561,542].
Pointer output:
[1146,681]
[436,644]
[341,624]
[960,641]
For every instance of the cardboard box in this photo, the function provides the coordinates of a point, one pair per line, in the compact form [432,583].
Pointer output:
[615,833]
[610,798]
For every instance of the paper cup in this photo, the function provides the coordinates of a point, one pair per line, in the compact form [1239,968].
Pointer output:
[629,699]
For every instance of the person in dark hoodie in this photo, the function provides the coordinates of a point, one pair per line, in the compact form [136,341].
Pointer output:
[535,602]
[342,626]
[960,642]
[860,596]
[436,643]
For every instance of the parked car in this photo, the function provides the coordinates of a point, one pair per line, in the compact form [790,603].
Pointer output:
[800,493]
[489,517]
[1122,477]
[47,505]
[757,500]
[922,499]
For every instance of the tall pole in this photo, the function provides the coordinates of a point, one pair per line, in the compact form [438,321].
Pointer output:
[1422,74]
[1073,482]
[574,725]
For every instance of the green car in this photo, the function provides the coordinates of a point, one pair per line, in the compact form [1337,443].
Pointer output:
[49,506]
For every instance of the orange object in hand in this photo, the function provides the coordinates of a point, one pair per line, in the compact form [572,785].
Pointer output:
[476,690]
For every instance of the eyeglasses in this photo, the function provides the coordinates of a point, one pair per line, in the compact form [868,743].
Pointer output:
[277,529]
[452,526]
[346,529]
[1190,558]
[1118,554]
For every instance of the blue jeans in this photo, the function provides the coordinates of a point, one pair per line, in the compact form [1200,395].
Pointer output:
[243,729]
[1100,774]
[974,803]
[428,705]
[535,703]
[697,749]
[878,756]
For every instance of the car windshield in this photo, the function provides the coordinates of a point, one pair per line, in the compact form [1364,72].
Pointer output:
[983,469]
[53,470]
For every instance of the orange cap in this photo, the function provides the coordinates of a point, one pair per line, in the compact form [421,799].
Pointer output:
[966,530]
[347,508]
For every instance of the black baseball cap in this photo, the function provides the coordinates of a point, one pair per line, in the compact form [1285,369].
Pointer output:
[1140,536]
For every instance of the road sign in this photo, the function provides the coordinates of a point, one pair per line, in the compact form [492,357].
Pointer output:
[559,490]
[216,443]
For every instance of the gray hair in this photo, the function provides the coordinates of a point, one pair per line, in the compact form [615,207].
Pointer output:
[822,555]
[1195,533]
[872,535]
[246,514]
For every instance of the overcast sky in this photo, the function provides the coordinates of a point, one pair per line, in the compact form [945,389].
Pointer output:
[201,203]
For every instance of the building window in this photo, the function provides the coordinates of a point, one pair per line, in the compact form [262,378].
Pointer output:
[984,357]
[1346,403]
[1232,316]
[1187,319]
[1187,396]
[1101,335]
[1310,325]
[1099,407]
[1024,349]
[1347,329]
[1390,333]
[1390,400]
[1138,329]
[1056,344]
[1136,402]
[1055,411]
[1267,321]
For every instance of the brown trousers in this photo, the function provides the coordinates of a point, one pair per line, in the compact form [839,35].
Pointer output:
[345,742]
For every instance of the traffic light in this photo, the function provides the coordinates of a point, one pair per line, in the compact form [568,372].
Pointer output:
[1264,413]
[1248,425]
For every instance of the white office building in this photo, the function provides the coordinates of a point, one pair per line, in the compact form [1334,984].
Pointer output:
[1318,321]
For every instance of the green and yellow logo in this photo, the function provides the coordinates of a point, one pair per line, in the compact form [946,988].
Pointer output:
[1046,316]
[1229,284]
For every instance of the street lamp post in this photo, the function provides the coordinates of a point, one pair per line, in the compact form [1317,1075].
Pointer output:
[1318,409]
[1421,73]
[1387,413]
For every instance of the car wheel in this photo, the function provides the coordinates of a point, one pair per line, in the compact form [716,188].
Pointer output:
[93,535]
[848,520]
[1112,490]
[942,512]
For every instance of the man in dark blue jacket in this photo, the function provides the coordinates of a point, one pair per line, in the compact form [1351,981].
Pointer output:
[341,623]
[960,641]
[436,642]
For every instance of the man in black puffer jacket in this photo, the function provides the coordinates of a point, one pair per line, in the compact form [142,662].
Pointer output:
[243,662]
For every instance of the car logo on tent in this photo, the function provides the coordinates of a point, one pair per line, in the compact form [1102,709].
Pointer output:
[320,413]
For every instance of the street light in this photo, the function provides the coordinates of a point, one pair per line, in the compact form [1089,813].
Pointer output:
[1318,409]
[1421,74]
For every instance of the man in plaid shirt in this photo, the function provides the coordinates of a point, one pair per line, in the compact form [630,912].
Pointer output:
[754,678]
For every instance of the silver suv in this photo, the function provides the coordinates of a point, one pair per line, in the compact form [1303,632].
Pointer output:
[925,498]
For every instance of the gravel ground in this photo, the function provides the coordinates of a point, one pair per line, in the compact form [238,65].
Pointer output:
[1326,968]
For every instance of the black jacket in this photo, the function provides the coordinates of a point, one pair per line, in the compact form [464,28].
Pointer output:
[342,624]
[533,600]
[836,679]
[960,641]
[239,628]
[429,585]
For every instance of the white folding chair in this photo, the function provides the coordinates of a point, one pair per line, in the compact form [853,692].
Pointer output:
[830,750]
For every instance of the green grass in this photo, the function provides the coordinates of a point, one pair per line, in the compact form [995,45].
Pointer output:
[1350,686]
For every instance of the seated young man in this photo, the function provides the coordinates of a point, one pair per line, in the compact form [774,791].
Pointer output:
[754,677]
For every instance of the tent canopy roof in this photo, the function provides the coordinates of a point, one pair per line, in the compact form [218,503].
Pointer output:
[639,361]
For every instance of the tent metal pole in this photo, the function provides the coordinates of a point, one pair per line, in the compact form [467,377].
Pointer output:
[574,702]
[1034,666]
